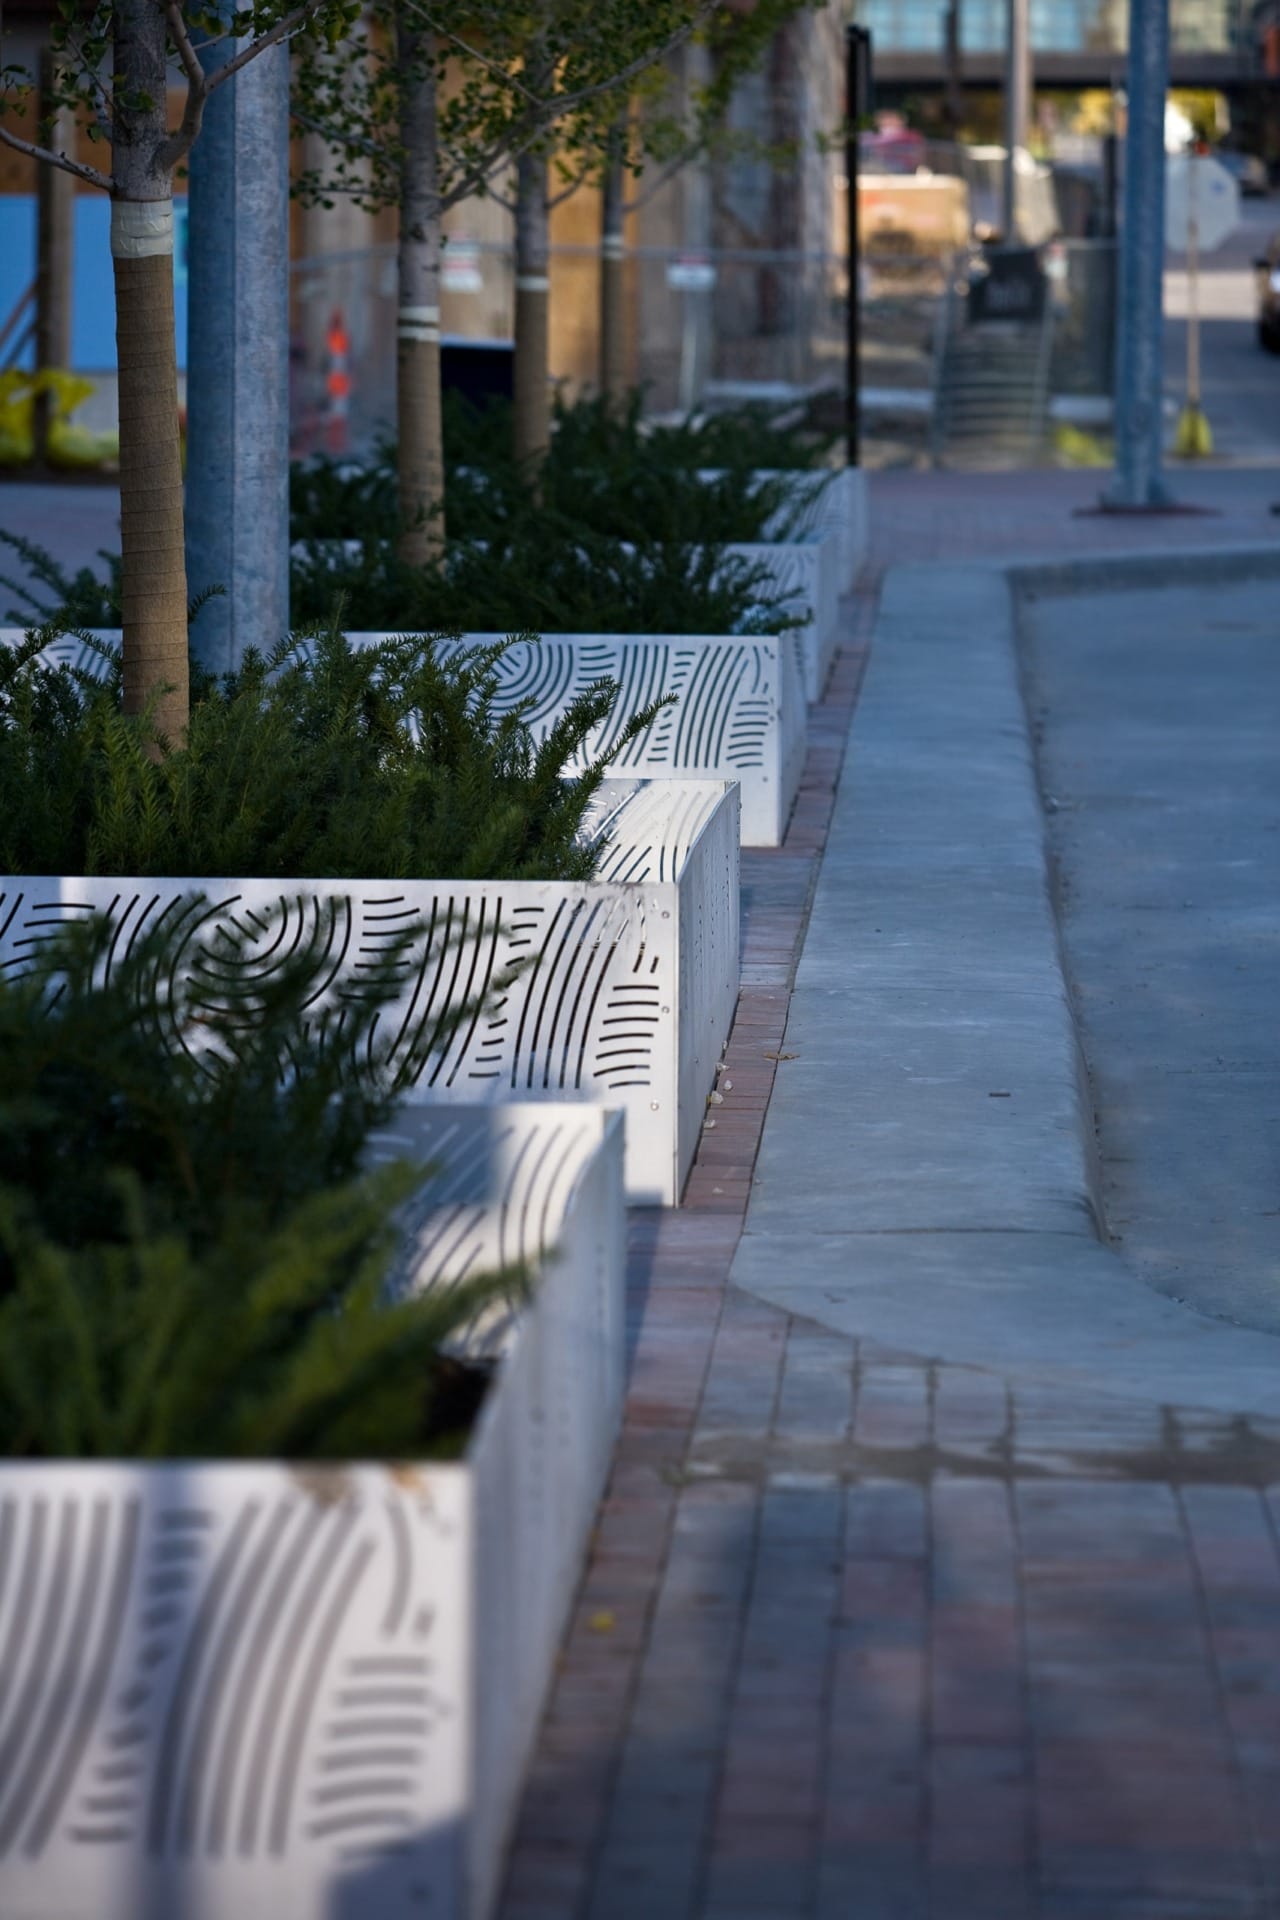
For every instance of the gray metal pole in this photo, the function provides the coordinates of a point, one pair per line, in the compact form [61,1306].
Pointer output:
[1140,327]
[1017,107]
[238,362]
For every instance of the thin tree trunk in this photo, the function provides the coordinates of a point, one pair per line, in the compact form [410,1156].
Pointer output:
[55,200]
[533,286]
[613,326]
[154,643]
[418,409]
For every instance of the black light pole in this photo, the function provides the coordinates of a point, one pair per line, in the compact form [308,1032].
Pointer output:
[857,110]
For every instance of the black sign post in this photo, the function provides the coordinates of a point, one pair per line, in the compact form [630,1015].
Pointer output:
[857,112]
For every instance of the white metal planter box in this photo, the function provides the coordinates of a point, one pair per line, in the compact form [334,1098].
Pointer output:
[828,501]
[624,990]
[805,570]
[256,1691]
[838,508]
[740,712]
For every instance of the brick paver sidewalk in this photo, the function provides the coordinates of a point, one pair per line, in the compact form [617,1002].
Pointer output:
[866,1637]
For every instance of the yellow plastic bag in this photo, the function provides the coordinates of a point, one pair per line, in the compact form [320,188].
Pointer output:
[69,445]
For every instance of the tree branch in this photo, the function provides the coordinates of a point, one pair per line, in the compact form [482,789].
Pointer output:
[506,75]
[556,104]
[536,109]
[333,137]
[100,104]
[501,152]
[49,158]
[281,31]
[179,145]
[200,83]
[186,52]
[566,192]
[666,172]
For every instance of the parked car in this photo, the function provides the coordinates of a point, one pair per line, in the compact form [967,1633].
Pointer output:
[1249,172]
[1267,269]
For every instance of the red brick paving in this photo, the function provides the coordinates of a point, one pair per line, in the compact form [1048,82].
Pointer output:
[862,1637]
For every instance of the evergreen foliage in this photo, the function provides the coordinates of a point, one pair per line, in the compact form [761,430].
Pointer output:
[607,473]
[543,569]
[756,435]
[617,540]
[195,1260]
[342,500]
[77,600]
[322,761]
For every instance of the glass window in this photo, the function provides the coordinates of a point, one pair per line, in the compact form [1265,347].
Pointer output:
[1057,26]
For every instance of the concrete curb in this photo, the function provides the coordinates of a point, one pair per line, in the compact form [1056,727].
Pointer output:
[1194,566]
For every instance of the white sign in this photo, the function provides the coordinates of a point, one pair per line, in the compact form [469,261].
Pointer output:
[1197,182]
[460,267]
[691,273]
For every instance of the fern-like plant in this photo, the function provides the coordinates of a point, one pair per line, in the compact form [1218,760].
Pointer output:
[171,1057]
[268,1342]
[50,593]
[195,1260]
[547,570]
[608,472]
[320,761]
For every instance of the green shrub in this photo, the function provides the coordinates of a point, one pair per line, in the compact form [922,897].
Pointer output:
[94,1081]
[276,1344]
[606,473]
[324,761]
[327,494]
[759,436]
[76,600]
[194,1259]
[544,572]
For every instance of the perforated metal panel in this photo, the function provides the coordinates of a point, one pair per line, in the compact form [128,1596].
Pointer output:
[835,506]
[823,501]
[573,985]
[806,571]
[740,712]
[250,1692]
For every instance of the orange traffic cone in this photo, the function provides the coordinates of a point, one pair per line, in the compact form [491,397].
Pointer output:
[337,384]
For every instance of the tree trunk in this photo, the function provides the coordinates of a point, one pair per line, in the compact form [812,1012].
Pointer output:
[613,326]
[55,201]
[532,406]
[419,418]
[154,644]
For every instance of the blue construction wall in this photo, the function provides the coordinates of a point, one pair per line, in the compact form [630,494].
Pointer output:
[93,301]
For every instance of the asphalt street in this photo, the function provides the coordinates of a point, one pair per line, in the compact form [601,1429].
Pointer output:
[1158,715]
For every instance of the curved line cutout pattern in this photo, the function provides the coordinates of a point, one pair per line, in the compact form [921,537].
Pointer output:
[503,1178]
[571,988]
[738,702]
[174,1608]
[253,1691]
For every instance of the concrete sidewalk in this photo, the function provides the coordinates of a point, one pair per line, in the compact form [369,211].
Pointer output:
[939,1576]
